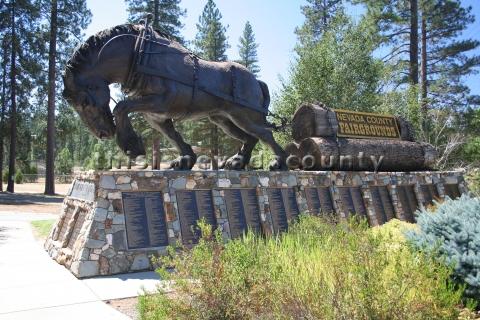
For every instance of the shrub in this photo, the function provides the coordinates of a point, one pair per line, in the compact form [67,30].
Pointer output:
[453,230]
[317,270]
[18,177]
[473,179]
[64,162]
[5,176]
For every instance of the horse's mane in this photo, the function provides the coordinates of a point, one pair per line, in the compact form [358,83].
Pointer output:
[84,53]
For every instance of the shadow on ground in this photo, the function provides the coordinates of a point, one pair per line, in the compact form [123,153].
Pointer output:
[27,198]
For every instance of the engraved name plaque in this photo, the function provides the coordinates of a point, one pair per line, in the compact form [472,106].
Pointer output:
[243,211]
[352,201]
[408,200]
[83,190]
[194,205]
[319,200]
[430,193]
[144,219]
[382,203]
[452,191]
[283,207]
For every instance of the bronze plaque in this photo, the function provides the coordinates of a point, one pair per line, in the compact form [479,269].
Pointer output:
[319,200]
[352,201]
[145,221]
[452,191]
[382,203]
[430,193]
[283,207]
[243,211]
[194,205]
[83,190]
[366,125]
[408,200]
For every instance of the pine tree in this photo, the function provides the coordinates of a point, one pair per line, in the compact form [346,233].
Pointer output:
[20,27]
[318,16]
[166,15]
[211,43]
[447,59]
[67,19]
[248,50]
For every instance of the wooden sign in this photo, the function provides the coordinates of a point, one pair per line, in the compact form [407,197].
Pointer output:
[351,200]
[366,125]
[243,211]
[145,221]
[319,200]
[408,200]
[194,205]
[382,203]
[283,207]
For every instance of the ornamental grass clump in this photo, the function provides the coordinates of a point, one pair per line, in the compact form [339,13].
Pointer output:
[317,270]
[453,231]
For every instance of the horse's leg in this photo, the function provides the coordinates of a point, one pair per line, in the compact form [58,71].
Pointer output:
[127,139]
[187,157]
[255,124]
[242,158]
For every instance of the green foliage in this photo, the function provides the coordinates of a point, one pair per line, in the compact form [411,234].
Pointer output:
[64,162]
[211,40]
[99,158]
[167,14]
[338,70]
[318,270]
[18,177]
[248,49]
[473,179]
[453,231]
[318,16]
[5,176]
[471,150]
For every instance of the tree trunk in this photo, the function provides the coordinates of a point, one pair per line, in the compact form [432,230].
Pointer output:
[156,153]
[156,13]
[424,71]
[13,107]
[327,154]
[4,106]
[52,53]
[414,41]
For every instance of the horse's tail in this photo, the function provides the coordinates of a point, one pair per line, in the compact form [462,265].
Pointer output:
[266,94]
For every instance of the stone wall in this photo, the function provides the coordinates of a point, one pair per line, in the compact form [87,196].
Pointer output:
[90,236]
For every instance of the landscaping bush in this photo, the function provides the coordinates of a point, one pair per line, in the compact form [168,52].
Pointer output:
[318,270]
[453,230]
[18,177]
[5,176]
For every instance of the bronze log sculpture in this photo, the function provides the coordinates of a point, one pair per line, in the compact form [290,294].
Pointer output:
[165,82]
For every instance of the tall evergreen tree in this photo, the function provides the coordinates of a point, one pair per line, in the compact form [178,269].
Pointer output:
[318,16]
[20,27]
[211,43]
[67,19]
[211,40]
[166,15]
[247,49]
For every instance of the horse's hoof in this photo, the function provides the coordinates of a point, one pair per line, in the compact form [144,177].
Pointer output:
[278,165]
[182,163]
[237,162]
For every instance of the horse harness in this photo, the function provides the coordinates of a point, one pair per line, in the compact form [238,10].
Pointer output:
[139,68]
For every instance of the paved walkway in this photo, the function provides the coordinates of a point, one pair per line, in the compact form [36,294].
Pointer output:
[33,286]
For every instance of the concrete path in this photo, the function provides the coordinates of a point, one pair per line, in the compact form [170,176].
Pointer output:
[33,286]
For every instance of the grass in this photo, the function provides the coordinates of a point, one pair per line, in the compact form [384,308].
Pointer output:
[318,270]
[41,228]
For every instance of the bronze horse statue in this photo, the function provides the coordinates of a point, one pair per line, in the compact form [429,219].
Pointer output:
[165,82]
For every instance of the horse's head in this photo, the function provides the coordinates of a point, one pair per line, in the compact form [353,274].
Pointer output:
[90,96]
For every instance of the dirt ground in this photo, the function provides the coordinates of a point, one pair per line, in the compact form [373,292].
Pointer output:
[29,197]
[127,306]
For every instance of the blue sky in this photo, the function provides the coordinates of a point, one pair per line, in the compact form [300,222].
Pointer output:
[273,22]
